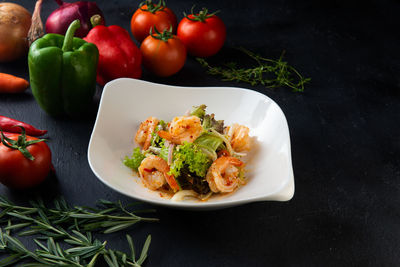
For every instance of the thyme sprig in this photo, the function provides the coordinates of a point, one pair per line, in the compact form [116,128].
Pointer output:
[64,234]
[151,7]
[268,72]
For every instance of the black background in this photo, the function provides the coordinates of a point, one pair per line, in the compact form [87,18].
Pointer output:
[344,132]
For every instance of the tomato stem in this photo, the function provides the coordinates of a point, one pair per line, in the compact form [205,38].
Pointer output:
[164,36]
[201,16]
[21,143]
[151,7]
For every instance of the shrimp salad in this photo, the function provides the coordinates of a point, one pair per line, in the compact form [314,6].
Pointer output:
[193,155]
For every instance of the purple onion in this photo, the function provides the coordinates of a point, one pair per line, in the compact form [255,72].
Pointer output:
[61,18]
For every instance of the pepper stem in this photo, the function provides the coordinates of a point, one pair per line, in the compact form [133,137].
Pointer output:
[95,20]
[69,36]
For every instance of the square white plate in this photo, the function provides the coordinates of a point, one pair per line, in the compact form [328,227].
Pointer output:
[125,103]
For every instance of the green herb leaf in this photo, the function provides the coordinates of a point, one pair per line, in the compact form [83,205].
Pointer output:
[145,248]
[134,161]
[131,246]
[267,72]
[199,111]
[58,228]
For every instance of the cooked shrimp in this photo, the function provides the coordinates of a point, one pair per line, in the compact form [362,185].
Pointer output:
[143,135]
[223,175]
[183,129]
[154,173]
[239,137]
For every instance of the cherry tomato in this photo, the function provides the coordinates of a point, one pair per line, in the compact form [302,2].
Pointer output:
[163,53]
[203,34]
[149,15]
[19,172]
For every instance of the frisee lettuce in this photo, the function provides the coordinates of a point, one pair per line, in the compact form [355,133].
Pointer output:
[134,161]
[190,155]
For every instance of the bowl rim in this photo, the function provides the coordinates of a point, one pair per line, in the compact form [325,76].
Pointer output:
[284,193]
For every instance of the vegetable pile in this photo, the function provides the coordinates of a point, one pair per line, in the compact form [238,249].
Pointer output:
[194,155]
[79,50]
[163,51]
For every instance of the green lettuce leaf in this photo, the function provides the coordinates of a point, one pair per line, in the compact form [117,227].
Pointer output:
[209,141]
[134,161]
[209,122]
[199,111]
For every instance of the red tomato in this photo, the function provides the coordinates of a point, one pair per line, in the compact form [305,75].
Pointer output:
[149,15]
[19,172]
[203,34]
[163,54]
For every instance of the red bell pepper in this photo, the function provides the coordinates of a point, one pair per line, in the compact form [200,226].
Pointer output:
[119,56]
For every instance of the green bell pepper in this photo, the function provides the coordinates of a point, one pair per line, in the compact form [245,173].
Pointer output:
[62,72]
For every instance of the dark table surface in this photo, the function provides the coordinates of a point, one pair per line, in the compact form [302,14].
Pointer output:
[344,131]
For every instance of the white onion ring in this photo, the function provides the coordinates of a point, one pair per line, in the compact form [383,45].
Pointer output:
[170,153]
[179,196]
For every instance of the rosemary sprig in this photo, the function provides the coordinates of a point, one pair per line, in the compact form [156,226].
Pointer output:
[268,72]
[67,234]
[108,216]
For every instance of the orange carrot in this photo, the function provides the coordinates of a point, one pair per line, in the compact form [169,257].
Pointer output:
[12,84]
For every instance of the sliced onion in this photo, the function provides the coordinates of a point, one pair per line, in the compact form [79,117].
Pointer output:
[181,195]
[226,141]
[240,154]
[170,153]
[155,150]
[211,154]
[206,197]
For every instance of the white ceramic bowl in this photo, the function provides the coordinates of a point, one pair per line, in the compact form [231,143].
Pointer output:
[125,103]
